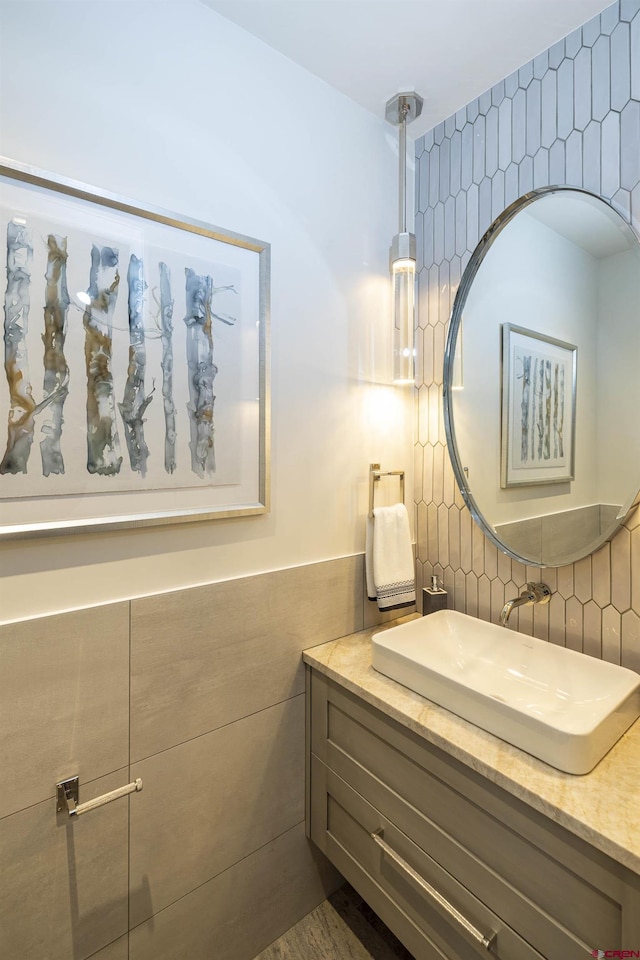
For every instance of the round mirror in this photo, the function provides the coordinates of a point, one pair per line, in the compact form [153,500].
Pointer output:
[542,377]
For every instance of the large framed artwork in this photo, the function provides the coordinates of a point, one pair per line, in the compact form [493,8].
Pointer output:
[538,408]
[135,387]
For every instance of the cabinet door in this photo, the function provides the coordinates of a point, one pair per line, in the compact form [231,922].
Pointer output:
[429,909]
[563,897]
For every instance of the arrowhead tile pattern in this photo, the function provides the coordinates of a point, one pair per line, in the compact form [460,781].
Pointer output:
[572,116]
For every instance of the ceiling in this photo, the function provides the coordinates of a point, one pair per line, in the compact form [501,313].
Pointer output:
[449,51]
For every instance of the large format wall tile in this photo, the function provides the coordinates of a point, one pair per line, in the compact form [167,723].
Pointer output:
[571,116]
[244,909]
[210,802]
[204,657]
[64,701]
[63,884]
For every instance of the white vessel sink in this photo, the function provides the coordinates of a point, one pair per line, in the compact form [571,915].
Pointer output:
[561,706]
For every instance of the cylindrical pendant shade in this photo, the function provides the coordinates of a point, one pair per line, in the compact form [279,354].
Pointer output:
[403,277]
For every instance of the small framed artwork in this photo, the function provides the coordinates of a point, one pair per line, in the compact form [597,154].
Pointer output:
[135,388]
[538,408]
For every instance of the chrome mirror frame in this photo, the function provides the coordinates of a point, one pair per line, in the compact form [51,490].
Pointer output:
[466,282]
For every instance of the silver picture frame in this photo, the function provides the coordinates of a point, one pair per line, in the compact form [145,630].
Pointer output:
[539,376]
[206,455]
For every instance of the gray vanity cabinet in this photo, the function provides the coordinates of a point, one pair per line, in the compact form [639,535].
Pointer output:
[445,857]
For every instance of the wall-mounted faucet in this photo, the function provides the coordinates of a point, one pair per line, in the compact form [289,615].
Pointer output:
[532,593]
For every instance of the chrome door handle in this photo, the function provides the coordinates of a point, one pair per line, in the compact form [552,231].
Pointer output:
[485,940]
[68,793]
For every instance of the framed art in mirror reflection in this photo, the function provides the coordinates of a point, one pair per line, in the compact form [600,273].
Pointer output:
[538,408]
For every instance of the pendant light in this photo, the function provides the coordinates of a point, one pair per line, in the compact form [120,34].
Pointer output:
[400,111]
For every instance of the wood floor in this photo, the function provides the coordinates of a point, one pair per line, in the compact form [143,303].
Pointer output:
[341,928]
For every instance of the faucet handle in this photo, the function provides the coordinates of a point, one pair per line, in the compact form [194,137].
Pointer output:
[541,592]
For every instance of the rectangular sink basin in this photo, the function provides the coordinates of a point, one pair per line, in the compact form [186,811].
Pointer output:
[561,706]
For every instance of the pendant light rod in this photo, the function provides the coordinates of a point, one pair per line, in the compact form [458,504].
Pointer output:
[402,170]
[401,110]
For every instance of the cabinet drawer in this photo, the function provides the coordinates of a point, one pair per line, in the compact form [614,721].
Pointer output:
[561,896]
[403,881]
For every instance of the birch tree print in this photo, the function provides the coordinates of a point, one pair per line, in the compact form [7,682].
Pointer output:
[166,336]
[548,424]
[103,445]
[135,403]
[22,407]
[539,409]
[539,420]
[56,371]
[555,411]
[526,388]
[201,371]
[560,415]
[132,361]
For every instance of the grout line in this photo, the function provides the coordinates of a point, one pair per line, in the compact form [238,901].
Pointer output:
[222,726]
[220,874]
[111,942]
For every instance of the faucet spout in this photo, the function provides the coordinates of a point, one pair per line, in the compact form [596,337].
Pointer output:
[532,593]
[505,613]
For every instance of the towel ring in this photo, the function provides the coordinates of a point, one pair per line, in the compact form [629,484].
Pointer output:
[375,473]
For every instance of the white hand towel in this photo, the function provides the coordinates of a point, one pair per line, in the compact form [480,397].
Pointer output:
[368,560]
[393,567]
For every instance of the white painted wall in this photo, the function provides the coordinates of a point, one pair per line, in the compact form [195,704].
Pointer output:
[619,384]
[169,104]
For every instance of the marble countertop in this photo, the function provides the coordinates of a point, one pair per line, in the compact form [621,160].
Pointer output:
[602,807]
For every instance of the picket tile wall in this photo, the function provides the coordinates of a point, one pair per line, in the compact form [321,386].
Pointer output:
[570,116]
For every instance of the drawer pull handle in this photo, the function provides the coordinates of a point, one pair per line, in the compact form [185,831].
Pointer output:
[67,795]
[485,940]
